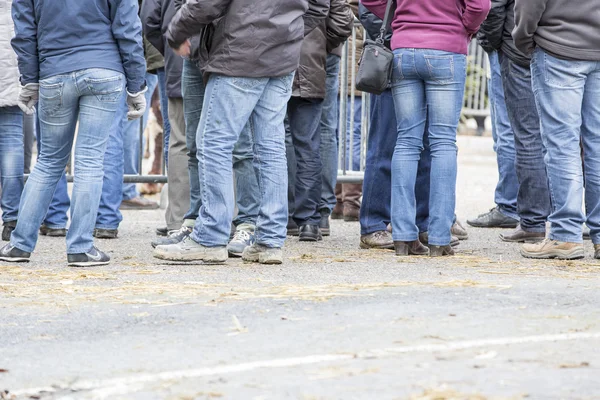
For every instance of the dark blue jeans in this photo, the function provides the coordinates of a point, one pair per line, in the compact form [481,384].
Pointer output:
[533,201]
[304,116]
[375,212]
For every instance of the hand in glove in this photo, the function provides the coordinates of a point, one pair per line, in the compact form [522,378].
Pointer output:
[136,104]
[28,97]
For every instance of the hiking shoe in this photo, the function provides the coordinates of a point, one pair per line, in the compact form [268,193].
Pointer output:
[52,232]
[597,251]
[424,238]
[377,240]
[190,250]
[459,231]
[92,258]
[441,251]
[521,236]
[414,248]
[138,203]
[244,236]
[12,254]
[309,233]
[292,228]
[549,248]
[9,226]
[324,224]
[493,219]
[174,237]
[262,254]
[100,233]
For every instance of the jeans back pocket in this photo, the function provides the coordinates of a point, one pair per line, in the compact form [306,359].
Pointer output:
[106,88]
[440,68]
[51,92]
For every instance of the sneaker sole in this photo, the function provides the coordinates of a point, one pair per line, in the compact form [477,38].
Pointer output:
[502,226]
[188,258]
[530,240]
[88,264]
[561,255]
[368,247]
[461,237]
[310,239]
[15,259]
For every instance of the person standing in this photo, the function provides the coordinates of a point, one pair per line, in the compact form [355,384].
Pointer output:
[428,82]
[11,127]
[255,51]
[564,44]
[79,72]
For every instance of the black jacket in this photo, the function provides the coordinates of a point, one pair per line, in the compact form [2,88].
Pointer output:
[496,32]
[251,38]
[156,15]
[372,25]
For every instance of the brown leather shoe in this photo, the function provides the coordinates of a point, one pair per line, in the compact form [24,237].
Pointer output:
[377,240]
[459,231]
[351,193]
[351,214]
[521,236]
[138,203]
[414,248]
[441,251]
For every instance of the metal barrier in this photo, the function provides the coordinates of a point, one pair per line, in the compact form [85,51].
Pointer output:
[475,105]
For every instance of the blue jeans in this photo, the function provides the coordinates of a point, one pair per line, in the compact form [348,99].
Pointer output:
[375,212]
[428,87]
[533,202]
[246,178]
[56,218]
[507,188]
[121,157]
[262,102]
[304,117]
[353,128]
[328,126]
[566,94]
[164,110]
[91,96]
[12,159]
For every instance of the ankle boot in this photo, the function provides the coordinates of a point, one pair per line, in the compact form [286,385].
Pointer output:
[352,193]
[441,251]
[338,210]
[414,248]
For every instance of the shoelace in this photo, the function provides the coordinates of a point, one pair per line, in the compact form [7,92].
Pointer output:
[242,236]
[183,229]
[380,235]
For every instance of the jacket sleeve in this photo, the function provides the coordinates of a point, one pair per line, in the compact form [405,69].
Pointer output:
[317,12]
[491,32]
[377,7]
[527,17]
[192,17]
[474,14]
[25,41]
[127,31]
[339,24]
[151,15]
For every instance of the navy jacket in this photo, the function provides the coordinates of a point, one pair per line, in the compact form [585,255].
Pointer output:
[54,37]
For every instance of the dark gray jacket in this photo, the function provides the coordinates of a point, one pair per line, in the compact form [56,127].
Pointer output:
[251,38]
[496,32]
[309,81]
[156,15]
[563,28]
[372,24]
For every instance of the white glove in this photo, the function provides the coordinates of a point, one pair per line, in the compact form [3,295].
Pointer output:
[136,104]
[28,97]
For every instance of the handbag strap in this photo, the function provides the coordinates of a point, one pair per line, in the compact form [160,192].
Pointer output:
[386,22]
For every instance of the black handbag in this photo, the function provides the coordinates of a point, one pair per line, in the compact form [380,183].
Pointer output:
[375,65]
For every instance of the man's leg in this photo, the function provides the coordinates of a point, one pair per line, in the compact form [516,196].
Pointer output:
[534,197]
[164,110]
[559,87]
[505,214]
[179,180]
[11,166]
[304,116]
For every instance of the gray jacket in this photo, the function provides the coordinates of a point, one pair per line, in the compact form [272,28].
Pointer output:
[563,28]
[9,71]
[156,15]
[309,81]
[251,38]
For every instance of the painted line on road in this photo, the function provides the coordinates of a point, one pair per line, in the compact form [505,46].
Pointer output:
[103,388]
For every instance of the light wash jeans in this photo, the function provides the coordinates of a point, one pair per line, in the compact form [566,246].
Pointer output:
[246,179]
[122,157]
[164,110]
[428,88]
[91,96]
[507,188]
[329,130]
[12,158]
[262,102]
[567,94]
